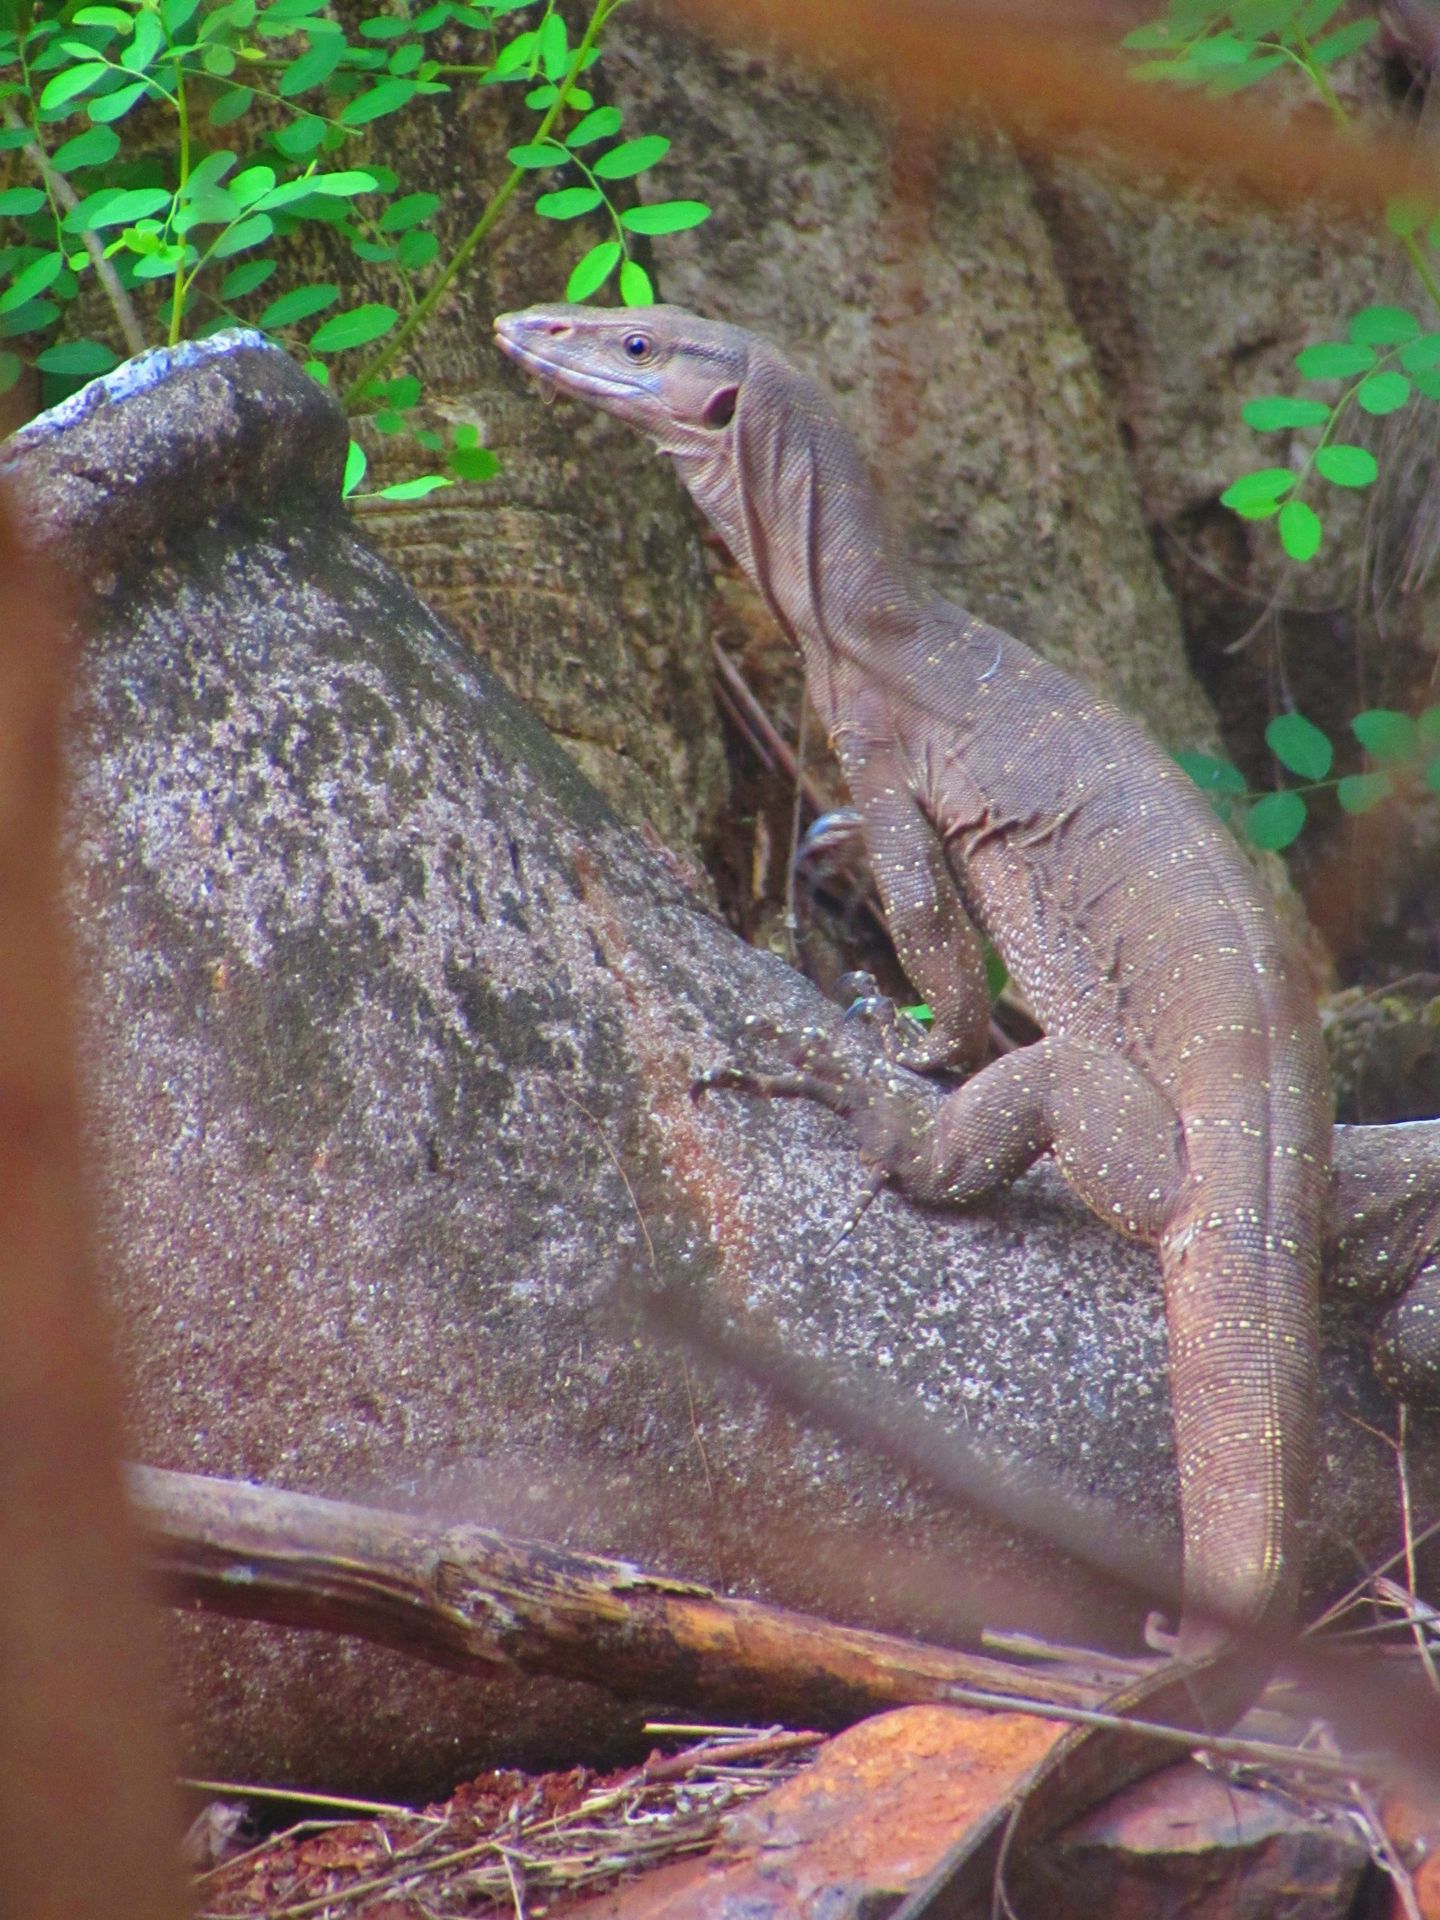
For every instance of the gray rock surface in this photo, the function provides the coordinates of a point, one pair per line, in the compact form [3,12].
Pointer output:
[389,1031]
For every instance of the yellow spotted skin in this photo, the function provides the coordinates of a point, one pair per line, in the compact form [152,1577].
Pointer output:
[1181,1085]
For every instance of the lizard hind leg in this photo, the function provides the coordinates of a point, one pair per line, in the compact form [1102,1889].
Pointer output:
[1407,1341]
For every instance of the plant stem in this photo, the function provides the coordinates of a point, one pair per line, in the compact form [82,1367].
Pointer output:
[177,298]
[61,190]
[407,329]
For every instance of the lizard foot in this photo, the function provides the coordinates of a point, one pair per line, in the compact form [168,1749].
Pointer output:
[904,1041]
[817,1073]
[890,1110]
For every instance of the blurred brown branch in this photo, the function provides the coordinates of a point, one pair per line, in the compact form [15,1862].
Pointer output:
[87,1826]
[474,1600]
[1056,77]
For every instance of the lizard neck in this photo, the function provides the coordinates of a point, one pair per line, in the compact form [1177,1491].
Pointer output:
[784,486]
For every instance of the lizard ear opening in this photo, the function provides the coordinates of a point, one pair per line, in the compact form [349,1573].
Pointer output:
[720,407]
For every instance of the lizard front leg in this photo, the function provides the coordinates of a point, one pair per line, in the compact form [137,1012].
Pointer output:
[1114,1135]
[937,945]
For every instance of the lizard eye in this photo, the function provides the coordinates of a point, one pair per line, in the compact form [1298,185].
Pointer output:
[637,346]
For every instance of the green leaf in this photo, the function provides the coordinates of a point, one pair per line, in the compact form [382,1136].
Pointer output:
[403,391]
[1349,39]
[1297,743]
[252,184]
[1257,494]
[229,107]
[253,231]
[115,207]
[413,489]
[219,62]
[115,106]
[245,279]
[473,463]
[553,46]
[1386,735]
[356,327]
[1345,466]
[1334,360]
[32,319]
[1300,530]
[330,186]
[592,270]
[635,287]
[408,211]
[1359,792]
[407,59]
[388,97]
[545,155]
[1383,392]
[385,26]
[314,67]
[32,281]
[11,368]
[569,203]
[1315,16]
[15,201]
[1383,327]
[1232,80]
[631,157]
[1428,384]
[70,83]
[1428,725]
[115,17]
[666,216]
[514,55]
[1272,823]
[599,125]
[417,249]
[209,173]
[1210,774]
[92,148]
[1422,355]
[1257,19]
[177,14]
[148,39]
[87,357]
[300,139]
[1269,415]
[355,465]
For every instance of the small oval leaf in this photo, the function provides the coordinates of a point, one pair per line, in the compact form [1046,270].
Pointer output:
[1383,392]
[1272,823]
[1300,530]
[1297,743]
[1346,466]
[1359,792]
[592,270]
[1386,735]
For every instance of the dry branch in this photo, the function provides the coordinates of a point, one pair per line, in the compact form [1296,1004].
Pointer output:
[476,1601]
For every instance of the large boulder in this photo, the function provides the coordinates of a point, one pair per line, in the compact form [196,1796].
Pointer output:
[389,1033]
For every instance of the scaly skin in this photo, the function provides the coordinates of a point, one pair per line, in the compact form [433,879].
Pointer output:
[1181,1085]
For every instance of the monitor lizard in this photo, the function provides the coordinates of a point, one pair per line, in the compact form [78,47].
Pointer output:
[1181,1085]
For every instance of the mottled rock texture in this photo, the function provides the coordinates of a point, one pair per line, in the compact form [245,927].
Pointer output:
[389,1030]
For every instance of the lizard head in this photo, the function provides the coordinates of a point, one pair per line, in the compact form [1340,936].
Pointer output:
[665,372]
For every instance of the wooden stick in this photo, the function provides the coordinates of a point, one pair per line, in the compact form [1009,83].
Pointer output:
[479,1602]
